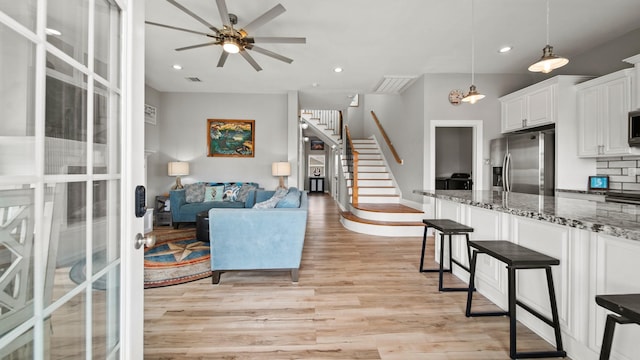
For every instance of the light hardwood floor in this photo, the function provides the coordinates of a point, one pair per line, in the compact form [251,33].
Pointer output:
[358,297]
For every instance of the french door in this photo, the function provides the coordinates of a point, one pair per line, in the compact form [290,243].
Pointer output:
[69,101]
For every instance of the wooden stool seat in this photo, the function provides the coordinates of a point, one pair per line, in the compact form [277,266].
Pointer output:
[627,308]
[518,258]
[450,228]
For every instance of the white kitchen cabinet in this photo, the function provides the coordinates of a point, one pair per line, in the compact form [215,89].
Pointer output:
[533,107]
[538,104]
[603,108]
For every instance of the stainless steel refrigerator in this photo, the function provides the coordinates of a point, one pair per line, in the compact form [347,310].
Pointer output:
[524,162]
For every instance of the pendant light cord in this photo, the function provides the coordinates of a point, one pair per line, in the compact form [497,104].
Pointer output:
[547,22]
[473,47]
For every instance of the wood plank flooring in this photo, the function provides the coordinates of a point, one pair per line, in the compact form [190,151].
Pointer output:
[358,297]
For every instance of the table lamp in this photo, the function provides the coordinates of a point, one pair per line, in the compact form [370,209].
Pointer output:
[281,169]
[177,169]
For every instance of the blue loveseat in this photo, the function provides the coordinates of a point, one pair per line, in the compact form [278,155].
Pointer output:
[255,239]
[183,211]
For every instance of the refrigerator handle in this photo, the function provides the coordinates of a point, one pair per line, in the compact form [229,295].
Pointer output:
[508,172]
[505,177]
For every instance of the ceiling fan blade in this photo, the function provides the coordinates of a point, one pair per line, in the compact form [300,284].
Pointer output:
[264,51]
[193,15]
[277,40]
[176,28]
[224,13]
[197,46]
[250,59]
[264,18]
[223,58]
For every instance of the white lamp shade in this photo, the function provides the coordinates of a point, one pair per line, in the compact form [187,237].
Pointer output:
[281,169]
[178,168]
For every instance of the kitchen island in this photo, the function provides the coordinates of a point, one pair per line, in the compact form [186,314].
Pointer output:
[598,245]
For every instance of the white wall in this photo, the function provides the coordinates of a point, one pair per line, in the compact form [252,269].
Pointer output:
[182,135]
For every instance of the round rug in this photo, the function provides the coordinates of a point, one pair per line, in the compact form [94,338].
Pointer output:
[175,262]
[78,272]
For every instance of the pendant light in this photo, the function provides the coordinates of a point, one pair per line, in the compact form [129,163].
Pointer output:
[473,95]
[549,61]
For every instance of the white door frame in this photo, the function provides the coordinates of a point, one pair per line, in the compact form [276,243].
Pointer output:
[477,156]
[133,174]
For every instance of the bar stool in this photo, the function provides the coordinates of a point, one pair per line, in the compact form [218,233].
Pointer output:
[446,227]
[518,258]
[627,308]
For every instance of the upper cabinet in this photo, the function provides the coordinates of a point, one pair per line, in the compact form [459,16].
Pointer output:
[602,110]
[530,108]
[539,104]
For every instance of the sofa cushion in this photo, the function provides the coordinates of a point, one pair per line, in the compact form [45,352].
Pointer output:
[291,200]
[273,201]
[194,192]
[244,191]
[213,193]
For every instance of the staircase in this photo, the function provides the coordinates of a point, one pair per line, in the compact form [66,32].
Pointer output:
[378,211]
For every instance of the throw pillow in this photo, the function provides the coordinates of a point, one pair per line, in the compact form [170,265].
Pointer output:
[291,200]
[213,193]
[244,191]
[273,201]
[230,192]
[194,192]
[219,192]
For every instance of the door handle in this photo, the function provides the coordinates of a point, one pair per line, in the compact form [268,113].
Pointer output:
[147,241]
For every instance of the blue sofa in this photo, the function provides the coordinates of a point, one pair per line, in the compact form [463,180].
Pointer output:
[182,211]
[255,239]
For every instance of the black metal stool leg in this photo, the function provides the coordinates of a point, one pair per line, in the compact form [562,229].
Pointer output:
[424,248]
[472,275]
[554,309]
[441,272]
[512,311]
[607,338]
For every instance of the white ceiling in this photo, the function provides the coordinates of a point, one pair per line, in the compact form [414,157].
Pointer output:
[372,39]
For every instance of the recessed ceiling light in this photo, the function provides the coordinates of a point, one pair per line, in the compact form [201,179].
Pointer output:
[505,49]
[315,84]
[338,69]
[50,31]
[177,67]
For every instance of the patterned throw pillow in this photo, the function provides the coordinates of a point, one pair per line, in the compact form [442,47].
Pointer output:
[291,200]
[194,192]
[273,201]
[230,192]
[244,191]
[209,193]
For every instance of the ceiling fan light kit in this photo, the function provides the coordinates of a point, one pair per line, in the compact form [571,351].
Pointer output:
[549,61]
[236,41]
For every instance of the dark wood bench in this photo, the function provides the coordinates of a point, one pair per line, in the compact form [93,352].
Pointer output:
[518,258]
[627,308]
[450,228]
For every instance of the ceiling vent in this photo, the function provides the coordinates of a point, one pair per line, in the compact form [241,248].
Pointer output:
[193,79]
[394,84]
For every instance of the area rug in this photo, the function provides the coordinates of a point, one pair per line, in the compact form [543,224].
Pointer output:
[176,259]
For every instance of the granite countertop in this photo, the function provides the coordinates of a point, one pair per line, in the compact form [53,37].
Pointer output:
[620,220]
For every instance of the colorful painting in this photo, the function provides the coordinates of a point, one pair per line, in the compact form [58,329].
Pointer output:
[231,138]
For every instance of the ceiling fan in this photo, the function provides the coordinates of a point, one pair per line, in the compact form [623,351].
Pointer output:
[236,40]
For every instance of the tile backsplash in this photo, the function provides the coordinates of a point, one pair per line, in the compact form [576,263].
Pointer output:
[623,171]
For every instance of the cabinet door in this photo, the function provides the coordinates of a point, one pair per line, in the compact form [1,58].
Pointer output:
[540,107]
[589,121]
[513,114]
[615,108]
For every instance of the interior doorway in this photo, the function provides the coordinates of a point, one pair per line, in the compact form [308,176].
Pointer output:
[455,146]
[454,158]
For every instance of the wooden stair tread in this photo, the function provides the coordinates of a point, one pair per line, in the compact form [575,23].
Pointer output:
[349,216]
[387,208]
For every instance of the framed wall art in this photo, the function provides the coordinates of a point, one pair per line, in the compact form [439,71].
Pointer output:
[150,114]
[231,138]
